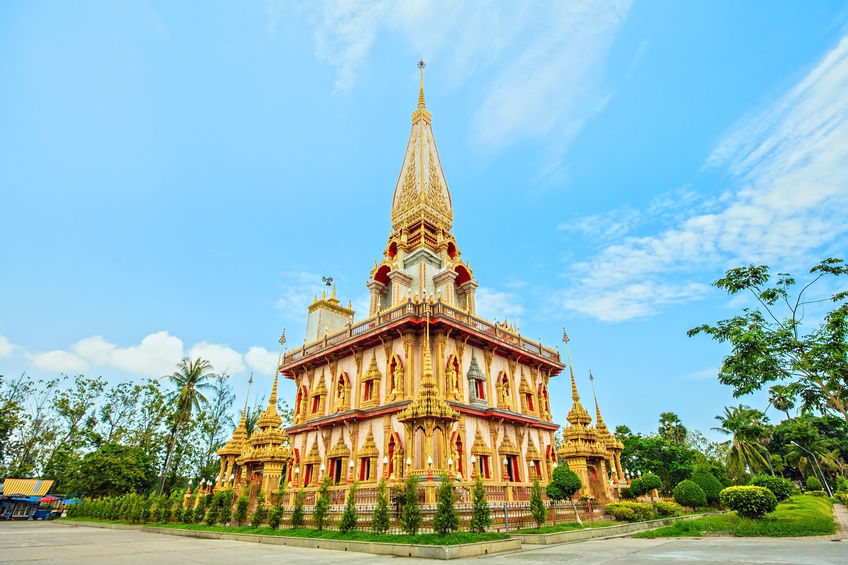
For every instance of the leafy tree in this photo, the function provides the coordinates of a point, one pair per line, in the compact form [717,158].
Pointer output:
[781,398]
[242,504]
[112,470]
[349,516]
[481,513]
[688,493]
[410,516]
[380,520]
[672,462]
[260,513]
[813,483]
[212,425]
[190,379]
[709,484]
[636,487]
[671,428]
[212,515]
[780,487]
[537,505]
[322,505]
[297,516]
[226,507]
[563,485]
[771,343]
[446,519]
[749,428]
[650,482]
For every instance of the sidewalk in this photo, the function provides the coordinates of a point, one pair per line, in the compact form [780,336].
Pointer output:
[840,513]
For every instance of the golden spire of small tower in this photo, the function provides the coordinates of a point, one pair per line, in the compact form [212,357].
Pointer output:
[421,103]
[577,414]
[599,421]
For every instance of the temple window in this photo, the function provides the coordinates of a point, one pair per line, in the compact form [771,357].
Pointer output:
[371,384]
[483,466]
[365,469]
[307,474]
[512,467]
[336,469]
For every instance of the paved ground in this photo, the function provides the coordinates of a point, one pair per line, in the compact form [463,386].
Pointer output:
[43,542]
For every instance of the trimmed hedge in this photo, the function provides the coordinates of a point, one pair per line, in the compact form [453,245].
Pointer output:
[749,501]
[780,487]
[813,483]
[816,493]
[629,511]
[688,493]
[709,484]
[664,508]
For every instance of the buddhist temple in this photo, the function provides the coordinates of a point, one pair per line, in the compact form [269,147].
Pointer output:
[420,385]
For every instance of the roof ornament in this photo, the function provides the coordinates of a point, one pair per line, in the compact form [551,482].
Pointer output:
[421,103]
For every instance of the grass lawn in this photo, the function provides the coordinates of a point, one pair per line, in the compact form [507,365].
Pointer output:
[566,526]
[455,538]
[798,516]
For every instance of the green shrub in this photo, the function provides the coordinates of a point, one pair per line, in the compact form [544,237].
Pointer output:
[537,505]
[843,498]
[349,517]
[260,512]
[242,505]
[626,494]
[380,521]
[481,513]
[636,487]
[709,484]
[780,487]
[816,493]
[322,505]
[410,516]
[650,482]
[298,515]
[688,493]
[275,516]
[665,508]
[749,501]
[446,519]
[622,513]
[634,511]
[841,484]
[813,483]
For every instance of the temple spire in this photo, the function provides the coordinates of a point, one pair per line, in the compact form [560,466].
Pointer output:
[282,340]
[574,396]
[599,422]
[421,103]
[243,422]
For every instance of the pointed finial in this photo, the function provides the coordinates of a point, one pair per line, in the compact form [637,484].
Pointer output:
[421,104]
[574,396]
[323,295]
[334,291]
[598,418]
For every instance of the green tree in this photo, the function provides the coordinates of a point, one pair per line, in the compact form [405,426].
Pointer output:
[242,504]
[537,505]
[709,484]
[813,483]
[481,513]
[749,429]
[297,516]
[226,507]
[380,521]
[781,398]
[259,512]
[410,516]
[446,519]
[112,470]
[688,493]
[771,342]
[671,428]
[651,482]
[564,483]
[322,505]
[672,462]
[349,516]
[190,379]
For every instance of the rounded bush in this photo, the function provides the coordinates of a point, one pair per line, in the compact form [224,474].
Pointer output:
[780,487]
[634,511]
[749,501]
[636,487]
[813,483]
[709,484]
[622,513]
[665,508]
[688,493]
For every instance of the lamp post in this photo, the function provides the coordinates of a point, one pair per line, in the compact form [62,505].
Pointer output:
[450,467]
[386,467]
[473,466]
[821,474]
[296,476]
[506,469]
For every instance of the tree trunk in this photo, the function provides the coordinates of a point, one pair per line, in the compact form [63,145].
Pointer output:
[576,513]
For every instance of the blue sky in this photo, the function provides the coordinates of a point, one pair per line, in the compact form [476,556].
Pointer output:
[176,177]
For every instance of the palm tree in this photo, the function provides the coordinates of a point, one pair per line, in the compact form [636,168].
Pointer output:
[749,428]
[190,379]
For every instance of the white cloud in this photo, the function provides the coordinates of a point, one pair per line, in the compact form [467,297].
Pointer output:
[497,305]
[6,347]
[261,360]
[224,359]
[297,292]
[59,361]
[702,375]
[787,205]
[538,66]
[156,355]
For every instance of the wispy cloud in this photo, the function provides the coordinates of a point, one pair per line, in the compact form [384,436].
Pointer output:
[497,305]
[538,66]
[786,203]
[6,347]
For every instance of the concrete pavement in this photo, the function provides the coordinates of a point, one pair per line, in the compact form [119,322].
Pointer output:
[44,542]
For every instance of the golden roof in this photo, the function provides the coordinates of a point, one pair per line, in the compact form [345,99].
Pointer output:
[27,487]
[421,192]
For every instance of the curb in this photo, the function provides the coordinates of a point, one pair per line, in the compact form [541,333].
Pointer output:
[379,548]
[605,532]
